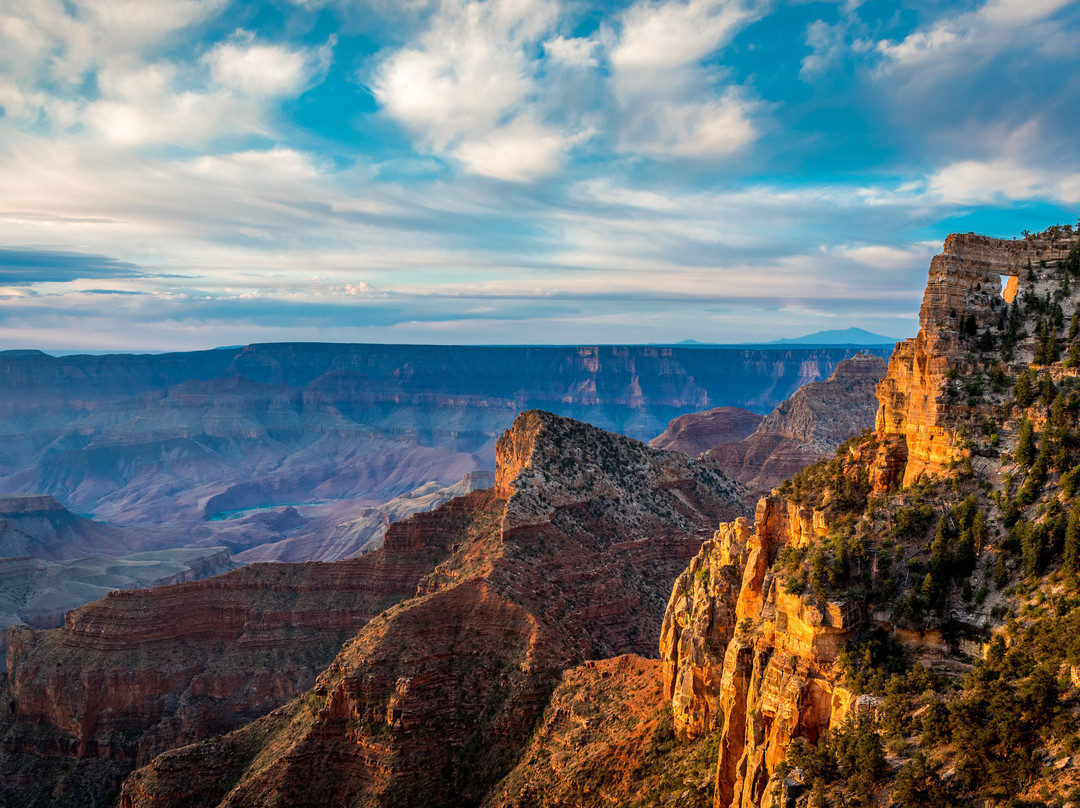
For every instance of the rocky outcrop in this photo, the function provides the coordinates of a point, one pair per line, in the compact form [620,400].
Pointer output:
[606,739]
[964,292]
[698,432]
[38,526]
[808,426]
[432,700]
[748,660]
[749,651]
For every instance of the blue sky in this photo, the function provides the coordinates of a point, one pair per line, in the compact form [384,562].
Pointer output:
[182,174]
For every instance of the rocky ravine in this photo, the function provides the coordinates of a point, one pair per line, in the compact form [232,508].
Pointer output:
[808,426]
[431,701]
[837,616]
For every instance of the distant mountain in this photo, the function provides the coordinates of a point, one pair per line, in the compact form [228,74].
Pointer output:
[844,336]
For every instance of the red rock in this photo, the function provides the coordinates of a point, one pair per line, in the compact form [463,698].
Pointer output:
[698,432]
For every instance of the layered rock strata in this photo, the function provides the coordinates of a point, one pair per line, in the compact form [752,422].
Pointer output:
[698,432]
[141,671]
[432,700]
[156,439]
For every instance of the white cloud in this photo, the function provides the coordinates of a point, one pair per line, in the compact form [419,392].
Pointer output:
[574,52]
[256,69]
[995,25]
[467,88]
[669,100]
[518,151]
[70,39]
[827,44]
[970,182]
[659,38]
[713,128]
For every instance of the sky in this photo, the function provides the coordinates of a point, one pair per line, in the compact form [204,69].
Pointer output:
[182,174]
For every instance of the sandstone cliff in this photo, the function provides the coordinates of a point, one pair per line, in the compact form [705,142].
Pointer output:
[432,700]
[917,422]
[782,630]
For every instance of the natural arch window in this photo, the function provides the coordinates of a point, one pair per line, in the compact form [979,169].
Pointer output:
[1008,287]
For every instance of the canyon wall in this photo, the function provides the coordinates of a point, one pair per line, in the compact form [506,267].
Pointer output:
[142,671]
[432,701]
[750,651]
[806,427]
[149,439]
[915,419]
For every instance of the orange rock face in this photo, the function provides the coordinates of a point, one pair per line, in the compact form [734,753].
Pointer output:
[914,419]
[743,658]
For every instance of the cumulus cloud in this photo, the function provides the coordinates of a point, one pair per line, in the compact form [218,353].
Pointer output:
[981,33]
[669,99]
[248,67]
[468,87]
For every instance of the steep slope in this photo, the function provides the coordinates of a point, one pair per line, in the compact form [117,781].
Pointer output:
[829,644]
[917,646]
[145,670]
[606,738]
[38,593]
[432,700]
[808,426]
[698,432]
[189,436]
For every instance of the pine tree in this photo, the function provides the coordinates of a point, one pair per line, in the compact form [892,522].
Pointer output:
[1025,394]
[1071,561]
[1025,445]
[978,531]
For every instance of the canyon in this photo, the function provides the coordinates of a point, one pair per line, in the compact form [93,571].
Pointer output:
[156,439]
[300,452]
[568,556]
[857,638]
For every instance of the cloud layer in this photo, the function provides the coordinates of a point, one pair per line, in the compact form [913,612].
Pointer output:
[186,173]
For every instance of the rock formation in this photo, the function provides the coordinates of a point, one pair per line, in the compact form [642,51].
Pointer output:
[431,701]
[141,671]
[808,426]
[698,432]
[745,658]
[749,649]
[964,293]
